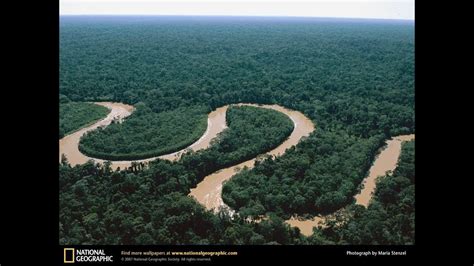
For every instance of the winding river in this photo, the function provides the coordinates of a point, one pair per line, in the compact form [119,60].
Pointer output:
[69,145]
[208,191]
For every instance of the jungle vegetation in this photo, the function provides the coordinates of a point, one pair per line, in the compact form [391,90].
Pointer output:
[150,206]
[390,217]
[353,78]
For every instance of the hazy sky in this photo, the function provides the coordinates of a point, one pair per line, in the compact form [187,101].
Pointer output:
[390,9]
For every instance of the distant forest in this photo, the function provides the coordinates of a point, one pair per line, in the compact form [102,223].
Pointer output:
[353,78]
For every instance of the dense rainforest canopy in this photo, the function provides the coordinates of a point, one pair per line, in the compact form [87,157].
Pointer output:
[319,177]
[93,197]
[353,78]
[150,206]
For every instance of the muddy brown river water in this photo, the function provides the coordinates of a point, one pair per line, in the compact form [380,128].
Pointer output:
[208,191]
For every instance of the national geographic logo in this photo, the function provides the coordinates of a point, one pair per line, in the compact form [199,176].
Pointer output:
[72,255]
[69,255]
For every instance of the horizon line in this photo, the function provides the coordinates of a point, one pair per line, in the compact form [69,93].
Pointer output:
[243,15]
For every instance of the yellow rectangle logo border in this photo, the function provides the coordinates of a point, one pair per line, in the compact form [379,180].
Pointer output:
[69,261]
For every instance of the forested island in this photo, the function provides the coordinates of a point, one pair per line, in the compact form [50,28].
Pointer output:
[146,134]
[353,78]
